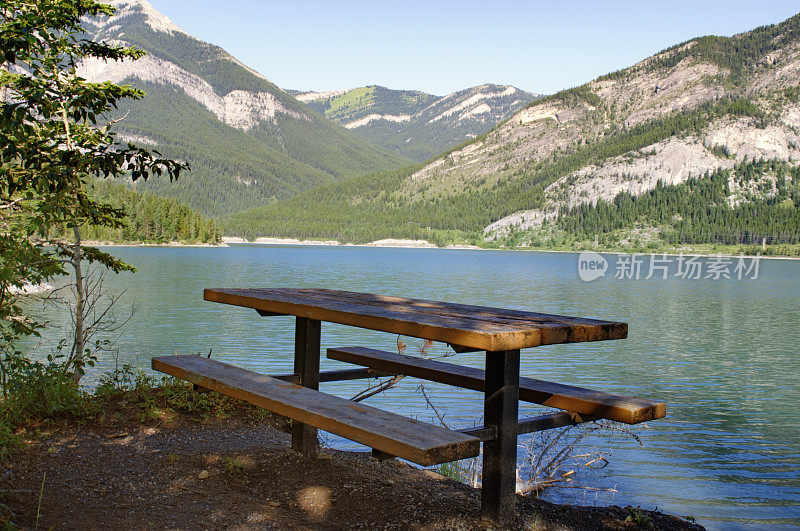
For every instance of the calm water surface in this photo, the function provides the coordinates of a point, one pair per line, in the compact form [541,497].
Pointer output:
[722,354]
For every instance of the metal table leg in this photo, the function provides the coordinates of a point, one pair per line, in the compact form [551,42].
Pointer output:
[500,410]
[306,370]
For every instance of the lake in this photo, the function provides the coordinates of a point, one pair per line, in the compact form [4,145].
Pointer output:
[722,352]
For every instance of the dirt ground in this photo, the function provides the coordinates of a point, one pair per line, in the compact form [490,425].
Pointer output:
[177,470]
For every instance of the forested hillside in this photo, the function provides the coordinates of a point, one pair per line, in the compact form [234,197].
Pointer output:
[675,124]
[752,203]
[352,210]
[149,218]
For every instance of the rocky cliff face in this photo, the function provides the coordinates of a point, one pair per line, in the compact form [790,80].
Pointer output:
[242,109]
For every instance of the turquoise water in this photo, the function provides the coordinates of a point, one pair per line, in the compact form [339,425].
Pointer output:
[722,353]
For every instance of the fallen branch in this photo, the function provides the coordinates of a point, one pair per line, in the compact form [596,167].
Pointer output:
[201,493]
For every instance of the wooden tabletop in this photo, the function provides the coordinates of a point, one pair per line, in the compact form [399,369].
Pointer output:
[464,325]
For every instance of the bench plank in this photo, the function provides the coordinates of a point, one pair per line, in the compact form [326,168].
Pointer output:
[419,442]
[484,328]
[627,409]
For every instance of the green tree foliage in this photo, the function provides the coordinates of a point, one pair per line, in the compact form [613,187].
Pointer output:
[150,218]
[55,138]
[572,96]
[736,54]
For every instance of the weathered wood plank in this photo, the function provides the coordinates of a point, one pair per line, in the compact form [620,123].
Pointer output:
[620,408]
[419,442]
[468,326]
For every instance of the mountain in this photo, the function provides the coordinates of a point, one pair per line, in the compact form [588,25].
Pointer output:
[712,109]
[415,124]
[248,141]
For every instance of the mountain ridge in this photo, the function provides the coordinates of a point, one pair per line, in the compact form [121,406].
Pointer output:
[414,123]
[248,141]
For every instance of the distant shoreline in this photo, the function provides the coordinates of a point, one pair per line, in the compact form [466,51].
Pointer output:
[228,241]
[388,242]
[102,243]
[423,244]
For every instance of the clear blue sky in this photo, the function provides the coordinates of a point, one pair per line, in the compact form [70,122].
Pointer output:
[443,46]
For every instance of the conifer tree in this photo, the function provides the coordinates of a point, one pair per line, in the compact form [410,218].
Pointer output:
[55,137]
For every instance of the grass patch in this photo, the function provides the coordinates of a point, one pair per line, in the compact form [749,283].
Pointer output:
[124,394]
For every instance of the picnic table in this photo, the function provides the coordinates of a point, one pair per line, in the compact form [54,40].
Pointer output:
[501,333]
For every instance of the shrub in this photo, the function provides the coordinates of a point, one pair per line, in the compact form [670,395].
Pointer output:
[32,389]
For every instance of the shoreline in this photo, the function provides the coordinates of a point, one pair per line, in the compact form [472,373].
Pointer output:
[423,244]
[228,241]
[99,243]
[387,242]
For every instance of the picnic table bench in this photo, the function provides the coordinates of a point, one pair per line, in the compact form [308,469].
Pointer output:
[499,332]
